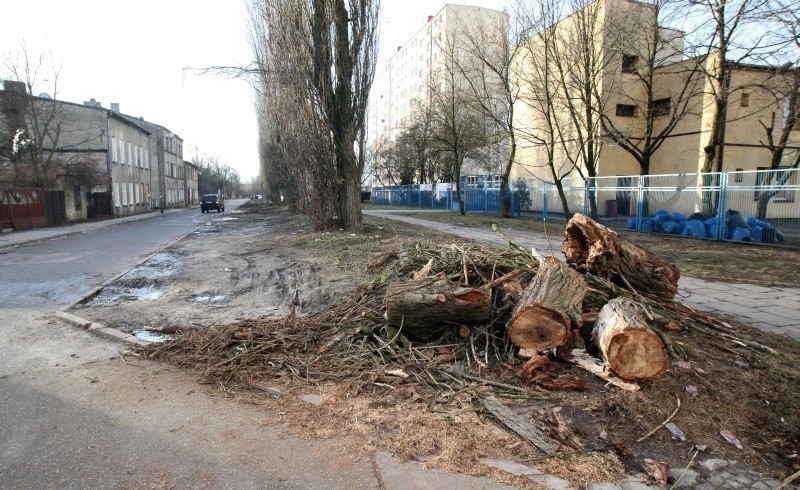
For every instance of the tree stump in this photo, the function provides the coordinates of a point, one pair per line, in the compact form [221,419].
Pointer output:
[627,344]
[422,305]
[591,247]
[549,308]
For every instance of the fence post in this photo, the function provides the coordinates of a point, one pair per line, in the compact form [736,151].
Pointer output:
[586,208]
[546,194]
[640,197]
[722,204]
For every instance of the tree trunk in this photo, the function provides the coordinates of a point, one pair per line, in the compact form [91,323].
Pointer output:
[549,308]
[628,346]
[422,305]
[591,247]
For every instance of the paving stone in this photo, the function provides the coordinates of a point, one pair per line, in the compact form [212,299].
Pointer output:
[714,464]
[551,481]
[512,467]
[716,481]
[408,476]
[688,477]
[760,485]
[603,486]
[635,485]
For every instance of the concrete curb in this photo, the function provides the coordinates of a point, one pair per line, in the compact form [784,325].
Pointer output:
[99,328]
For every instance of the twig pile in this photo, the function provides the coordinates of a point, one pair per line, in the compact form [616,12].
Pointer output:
[353,343]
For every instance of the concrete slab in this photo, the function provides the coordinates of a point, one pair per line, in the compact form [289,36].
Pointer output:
[412,476]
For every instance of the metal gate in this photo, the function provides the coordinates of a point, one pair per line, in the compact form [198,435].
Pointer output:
[21,208]
[55,208]
[97,204]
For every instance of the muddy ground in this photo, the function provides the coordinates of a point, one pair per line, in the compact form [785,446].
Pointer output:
[231,283]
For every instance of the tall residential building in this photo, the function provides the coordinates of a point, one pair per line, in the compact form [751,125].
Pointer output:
[402,85]
[643,90]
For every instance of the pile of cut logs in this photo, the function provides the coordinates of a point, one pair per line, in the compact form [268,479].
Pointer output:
[549,313]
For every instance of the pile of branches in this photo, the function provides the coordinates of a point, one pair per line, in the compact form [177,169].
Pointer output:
[354,343]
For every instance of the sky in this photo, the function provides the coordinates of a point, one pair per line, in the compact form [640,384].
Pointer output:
[143,55]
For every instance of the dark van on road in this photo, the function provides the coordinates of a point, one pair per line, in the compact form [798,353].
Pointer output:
[212,201]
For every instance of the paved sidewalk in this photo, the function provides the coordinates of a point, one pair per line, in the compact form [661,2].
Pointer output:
[771,309]
[14,238]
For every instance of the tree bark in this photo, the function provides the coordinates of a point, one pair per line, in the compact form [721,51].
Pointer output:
[421,306]
[549,308]
[627,344]
[591,247]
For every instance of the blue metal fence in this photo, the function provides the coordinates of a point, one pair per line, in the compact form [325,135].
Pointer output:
[752,206]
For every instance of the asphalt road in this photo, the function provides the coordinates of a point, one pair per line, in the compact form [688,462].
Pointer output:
[74,415]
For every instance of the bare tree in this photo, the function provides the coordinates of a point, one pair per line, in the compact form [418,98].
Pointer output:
[316,60]
[493,48]
[535,76]
[659,87]
[459,129]
[784,85]
[41,140]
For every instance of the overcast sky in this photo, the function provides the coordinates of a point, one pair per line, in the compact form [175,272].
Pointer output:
[137,54]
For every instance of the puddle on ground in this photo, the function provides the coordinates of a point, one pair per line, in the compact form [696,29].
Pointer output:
[225,219]
[151,336]
[159,265]
[117,293]
[219,298]
[206,229]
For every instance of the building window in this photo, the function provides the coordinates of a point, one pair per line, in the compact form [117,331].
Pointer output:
[626,110]
[660,107]
[629,63]
[114,150]
[778,180]
[745,100]
[739,176]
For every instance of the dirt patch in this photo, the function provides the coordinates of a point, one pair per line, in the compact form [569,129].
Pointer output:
[397,394]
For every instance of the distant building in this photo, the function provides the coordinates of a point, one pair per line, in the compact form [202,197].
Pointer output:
[166,149]
[192,195]
[99,161]
[403,84]
[628,108]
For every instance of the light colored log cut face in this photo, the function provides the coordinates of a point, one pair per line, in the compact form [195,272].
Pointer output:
[636,354]
[537,329]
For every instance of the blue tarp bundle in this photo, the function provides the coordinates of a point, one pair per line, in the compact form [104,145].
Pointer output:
[734,227]
[672,227]
[695,228]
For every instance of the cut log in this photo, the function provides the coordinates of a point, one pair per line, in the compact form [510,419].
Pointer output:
[627,344]
[549,308]
[591,247]
[421,306]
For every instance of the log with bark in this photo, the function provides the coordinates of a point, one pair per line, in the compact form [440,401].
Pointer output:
[421,306]
[549,309]
[591,247]
[627,345]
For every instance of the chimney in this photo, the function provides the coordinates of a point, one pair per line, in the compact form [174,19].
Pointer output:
[17,88]
[93,103]
[115,107]
[399,48]
[430,18]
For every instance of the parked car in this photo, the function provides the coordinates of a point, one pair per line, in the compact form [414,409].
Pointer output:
[212,201]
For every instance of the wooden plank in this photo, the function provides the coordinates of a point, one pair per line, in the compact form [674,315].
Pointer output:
[524,428]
